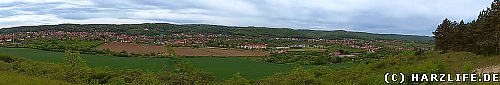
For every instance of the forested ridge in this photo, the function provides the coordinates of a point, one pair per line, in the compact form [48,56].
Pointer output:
[480,36]
[155,29]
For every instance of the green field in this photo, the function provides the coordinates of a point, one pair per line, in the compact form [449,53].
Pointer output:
[306,49]
[222,68]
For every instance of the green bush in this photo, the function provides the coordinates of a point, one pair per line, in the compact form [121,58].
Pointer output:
[237,79]
[5,66]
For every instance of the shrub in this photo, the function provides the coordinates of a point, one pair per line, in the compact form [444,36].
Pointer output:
[5,66]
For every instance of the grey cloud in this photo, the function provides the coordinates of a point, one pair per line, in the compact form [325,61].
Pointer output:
[418,17]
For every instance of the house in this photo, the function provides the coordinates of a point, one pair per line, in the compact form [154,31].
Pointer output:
[254,46]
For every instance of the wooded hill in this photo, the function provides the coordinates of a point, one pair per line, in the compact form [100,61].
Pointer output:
[154,29]
[481,36]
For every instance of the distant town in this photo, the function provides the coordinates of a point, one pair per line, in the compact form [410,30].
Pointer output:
[204,41]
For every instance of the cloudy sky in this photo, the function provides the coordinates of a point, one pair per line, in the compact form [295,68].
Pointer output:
[415,17]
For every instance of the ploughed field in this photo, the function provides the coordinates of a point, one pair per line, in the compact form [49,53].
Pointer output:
[221,68]
[133,48]
[217,52]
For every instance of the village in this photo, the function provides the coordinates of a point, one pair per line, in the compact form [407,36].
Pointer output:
[202,40]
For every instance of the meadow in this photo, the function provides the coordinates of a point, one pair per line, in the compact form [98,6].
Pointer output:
[133,48]
[221,68]
[306,49]
[207,52]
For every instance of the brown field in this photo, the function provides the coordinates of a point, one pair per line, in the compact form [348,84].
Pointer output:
[217,52]
[133,48]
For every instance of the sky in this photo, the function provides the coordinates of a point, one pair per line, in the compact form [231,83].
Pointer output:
[411,17]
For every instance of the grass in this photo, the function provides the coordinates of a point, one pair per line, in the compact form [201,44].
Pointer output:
[12,78]
[456,60]
[221,68]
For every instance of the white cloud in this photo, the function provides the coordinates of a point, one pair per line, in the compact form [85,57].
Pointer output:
[20,12]
[241,7]
[31,1]
[381,16]
[112,21]
[183,15]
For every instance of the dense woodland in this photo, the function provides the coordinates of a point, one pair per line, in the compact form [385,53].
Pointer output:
[481,36]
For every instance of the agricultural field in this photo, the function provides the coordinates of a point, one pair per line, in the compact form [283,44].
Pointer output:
[217,52]
[221,68]
[149,64]
[133,48]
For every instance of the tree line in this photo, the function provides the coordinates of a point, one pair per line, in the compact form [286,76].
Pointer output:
[480,36]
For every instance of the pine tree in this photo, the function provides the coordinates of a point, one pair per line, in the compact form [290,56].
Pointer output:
[495,14]
[487,22]
[481,36]
[441,35]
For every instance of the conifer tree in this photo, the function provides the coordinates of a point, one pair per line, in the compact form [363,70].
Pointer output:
[440,35]
[481,36]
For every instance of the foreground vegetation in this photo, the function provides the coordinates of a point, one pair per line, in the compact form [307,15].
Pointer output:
[13,78]
[302,58]
[249,69]
[75,70]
